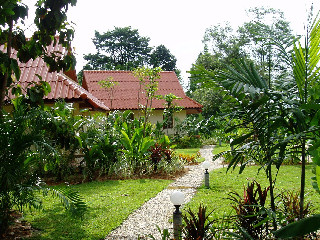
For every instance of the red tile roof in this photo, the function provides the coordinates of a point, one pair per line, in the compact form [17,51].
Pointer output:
[63,85]
[125,93]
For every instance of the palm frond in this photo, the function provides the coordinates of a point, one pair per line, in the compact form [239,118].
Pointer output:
[71,200]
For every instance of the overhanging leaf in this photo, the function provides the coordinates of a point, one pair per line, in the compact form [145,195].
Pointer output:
[299,228]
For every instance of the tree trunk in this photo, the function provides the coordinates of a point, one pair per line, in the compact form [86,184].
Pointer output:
[3,83]
[272,198]
[303,177]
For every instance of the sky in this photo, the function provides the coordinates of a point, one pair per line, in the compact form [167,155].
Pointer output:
[177,24]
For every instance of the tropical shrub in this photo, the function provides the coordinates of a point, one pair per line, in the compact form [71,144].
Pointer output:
[158,153]
[197,226]
[100,146]
[290,207]
[25,145]
[136,149]
[188,141]
[251,212]
[62,127]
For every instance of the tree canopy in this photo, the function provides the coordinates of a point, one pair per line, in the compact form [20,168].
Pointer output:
[252,41]
[124,49]
[162,57]
[51,27]
[121,48]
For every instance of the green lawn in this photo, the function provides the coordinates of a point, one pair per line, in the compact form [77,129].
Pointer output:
[218,149]
[109,202]
[221,183]
[189,151]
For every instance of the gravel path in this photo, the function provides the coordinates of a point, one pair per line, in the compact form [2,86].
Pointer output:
[158,210]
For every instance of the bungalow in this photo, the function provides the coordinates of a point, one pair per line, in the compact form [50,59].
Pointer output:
[64,85]
[124,93]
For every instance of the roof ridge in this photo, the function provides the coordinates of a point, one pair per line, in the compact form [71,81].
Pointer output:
[114,71]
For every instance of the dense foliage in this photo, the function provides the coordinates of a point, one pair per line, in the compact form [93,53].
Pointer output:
[51,26]
[274,122]
[224,47]
[124,49]
[23,146]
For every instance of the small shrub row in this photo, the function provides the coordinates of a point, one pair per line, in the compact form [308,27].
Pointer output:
[188,141]
[189,159]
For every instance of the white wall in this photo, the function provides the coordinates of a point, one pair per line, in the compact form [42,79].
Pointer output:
[157,116]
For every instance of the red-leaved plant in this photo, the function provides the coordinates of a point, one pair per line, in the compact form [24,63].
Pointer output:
[158,153]
[197,226]
[251,215]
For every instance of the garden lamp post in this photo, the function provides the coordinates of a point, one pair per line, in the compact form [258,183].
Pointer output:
[177,198]
[206,165]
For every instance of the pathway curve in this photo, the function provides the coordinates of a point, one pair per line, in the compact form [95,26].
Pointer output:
[158,210]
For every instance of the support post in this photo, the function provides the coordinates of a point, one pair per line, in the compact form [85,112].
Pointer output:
[206,179]
[177,223]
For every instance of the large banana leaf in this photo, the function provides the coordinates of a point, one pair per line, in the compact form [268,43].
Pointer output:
[146,144]
[126,141]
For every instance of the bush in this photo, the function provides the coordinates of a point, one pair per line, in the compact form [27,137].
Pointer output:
[189,159]
[197,226]
[250,210]
[290,207]
[188,141]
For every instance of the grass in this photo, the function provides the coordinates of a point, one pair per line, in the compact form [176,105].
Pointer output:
[218,149]
[109,203]
[189,151]
[221,183]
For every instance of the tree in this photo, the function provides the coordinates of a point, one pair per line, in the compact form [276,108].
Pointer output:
[253,41]
[258,35]
[125,49]
[149,86]
[305,67]
[279,120]
[51,27]
[161,57]
[121,48]
[109,84]
[23,141]
[170,109]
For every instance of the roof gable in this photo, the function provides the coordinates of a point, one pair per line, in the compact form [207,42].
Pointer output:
[127,94]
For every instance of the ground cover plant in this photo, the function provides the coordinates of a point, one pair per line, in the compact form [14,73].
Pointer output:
[109,203]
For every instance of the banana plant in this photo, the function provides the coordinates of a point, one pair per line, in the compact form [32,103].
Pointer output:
[136,147]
